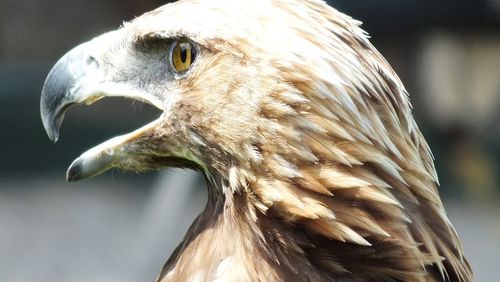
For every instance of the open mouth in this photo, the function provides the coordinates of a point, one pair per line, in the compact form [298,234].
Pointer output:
[109,154]
[75,80]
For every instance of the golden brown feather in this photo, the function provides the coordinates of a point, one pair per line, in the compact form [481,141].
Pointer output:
[315,166]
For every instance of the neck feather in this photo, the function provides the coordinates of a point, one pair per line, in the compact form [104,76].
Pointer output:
[233,238]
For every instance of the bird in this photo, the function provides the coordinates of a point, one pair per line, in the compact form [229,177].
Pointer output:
[315,167]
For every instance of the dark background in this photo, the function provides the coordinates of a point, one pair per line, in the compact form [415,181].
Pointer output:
[121,226]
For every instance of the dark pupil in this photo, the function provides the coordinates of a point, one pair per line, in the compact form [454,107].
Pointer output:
[184,50]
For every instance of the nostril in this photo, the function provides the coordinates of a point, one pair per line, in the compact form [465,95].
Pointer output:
[92,62]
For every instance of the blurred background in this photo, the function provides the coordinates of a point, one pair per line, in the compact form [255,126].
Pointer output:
[122,226]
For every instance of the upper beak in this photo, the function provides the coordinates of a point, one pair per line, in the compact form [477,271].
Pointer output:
[79,77]
[62,88]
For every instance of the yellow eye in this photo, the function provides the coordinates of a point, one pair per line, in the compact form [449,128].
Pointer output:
[182,55]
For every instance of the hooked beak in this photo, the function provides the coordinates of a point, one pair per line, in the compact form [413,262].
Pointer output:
[78,77]
[62,88]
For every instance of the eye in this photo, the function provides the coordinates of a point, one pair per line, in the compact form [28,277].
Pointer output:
[182,55]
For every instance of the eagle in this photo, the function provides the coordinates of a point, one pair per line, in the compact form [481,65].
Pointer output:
[315,167]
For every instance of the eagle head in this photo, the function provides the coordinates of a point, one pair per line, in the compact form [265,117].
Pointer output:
[315,165]
[223,88]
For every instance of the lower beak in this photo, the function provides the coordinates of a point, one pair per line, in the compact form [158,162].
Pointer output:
[116,152]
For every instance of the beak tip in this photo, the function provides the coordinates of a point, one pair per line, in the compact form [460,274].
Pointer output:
[51,122]
[53,135]
[74,171]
